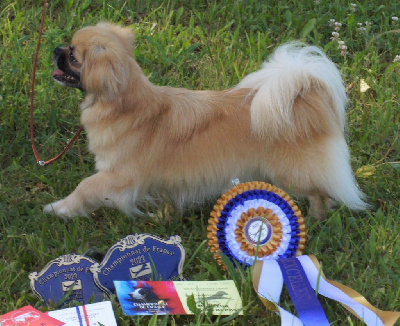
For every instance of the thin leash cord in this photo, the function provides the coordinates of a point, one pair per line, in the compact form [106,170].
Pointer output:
[35,152]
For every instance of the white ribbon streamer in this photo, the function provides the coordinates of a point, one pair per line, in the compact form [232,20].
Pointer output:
[271,283]
[270,287]
[332,292]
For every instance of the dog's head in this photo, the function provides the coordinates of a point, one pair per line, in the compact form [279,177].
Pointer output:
[144,294]
[97,61]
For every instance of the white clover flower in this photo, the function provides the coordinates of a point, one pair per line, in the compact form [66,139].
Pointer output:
[342,47]
[395,19]
[353,7]
[362,29]
[367,23]
[396,58]
[332,22]
[359,24]
[337,26]
[335,36]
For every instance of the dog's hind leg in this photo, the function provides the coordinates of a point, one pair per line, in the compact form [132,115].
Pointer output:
[316,169]
[319,206]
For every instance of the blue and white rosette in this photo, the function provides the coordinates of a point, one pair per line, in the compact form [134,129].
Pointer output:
[258,224]
[256,219]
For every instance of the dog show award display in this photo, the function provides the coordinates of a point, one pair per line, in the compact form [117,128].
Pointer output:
[65,279]
[257,224]
[256,219]
[140,257]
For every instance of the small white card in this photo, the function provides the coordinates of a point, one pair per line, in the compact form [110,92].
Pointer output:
[95,314]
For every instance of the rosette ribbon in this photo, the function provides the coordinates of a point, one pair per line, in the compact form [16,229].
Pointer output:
[256,220]
[258,224]
[270,275]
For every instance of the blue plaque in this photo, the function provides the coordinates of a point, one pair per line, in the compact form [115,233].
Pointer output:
[65,279]
[140,257]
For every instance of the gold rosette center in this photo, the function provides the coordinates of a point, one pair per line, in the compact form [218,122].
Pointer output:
[259,232]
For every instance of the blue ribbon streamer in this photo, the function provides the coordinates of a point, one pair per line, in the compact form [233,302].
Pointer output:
[79,316]
[302,294]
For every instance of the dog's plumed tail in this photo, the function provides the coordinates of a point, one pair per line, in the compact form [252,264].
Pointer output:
[299,103]
[299,93]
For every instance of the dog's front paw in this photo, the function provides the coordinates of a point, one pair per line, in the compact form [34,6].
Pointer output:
[62,209]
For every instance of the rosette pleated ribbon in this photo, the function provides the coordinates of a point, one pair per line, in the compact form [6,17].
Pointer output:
[256,220]
[269,277]
[258,224]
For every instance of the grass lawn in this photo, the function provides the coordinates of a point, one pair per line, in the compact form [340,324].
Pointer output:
[198,44]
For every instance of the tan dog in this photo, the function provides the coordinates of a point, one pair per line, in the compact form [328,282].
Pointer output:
[283,124]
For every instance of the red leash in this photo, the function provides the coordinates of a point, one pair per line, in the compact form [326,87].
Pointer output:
[40,162]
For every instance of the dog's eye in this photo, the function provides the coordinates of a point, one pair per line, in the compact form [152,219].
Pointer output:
[72,57]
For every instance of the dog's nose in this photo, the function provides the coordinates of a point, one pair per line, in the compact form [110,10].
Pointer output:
[58,51]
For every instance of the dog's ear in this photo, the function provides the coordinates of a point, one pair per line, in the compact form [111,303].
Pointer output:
[105,71]
[124,34]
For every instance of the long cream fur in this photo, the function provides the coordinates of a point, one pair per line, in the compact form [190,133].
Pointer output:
[283,124]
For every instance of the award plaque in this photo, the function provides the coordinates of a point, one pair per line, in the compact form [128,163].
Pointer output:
[140,257]
[65,279]
[256,221]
